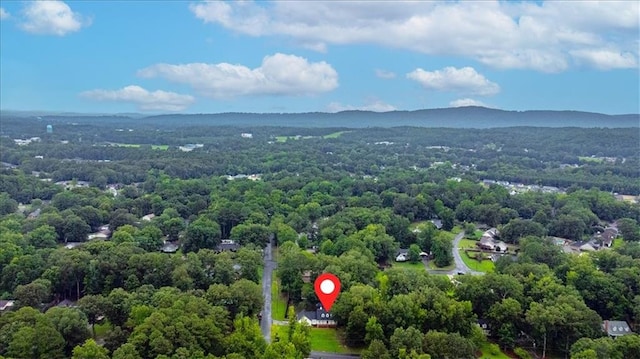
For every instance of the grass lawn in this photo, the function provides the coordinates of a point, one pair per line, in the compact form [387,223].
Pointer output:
[327,340]
[618,242]
[102,329]
[322,339]
[484,266]
[486,353]
[418,267]
[278,302]
[335,134]
[279,330]
[468,243]
[432,265]
[281,138]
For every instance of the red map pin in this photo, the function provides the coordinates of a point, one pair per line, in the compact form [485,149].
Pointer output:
[327,288]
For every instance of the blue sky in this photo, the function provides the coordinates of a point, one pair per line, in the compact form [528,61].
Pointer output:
[289,56]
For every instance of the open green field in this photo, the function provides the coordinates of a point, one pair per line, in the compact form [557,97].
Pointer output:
[486,353]
[281,138]
[278,302]
[335,134]
[418,267]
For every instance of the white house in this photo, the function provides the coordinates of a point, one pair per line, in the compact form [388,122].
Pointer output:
[317,318]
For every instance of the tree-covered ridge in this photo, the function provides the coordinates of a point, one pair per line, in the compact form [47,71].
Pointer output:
[353,202]
[458,117]
[602,158]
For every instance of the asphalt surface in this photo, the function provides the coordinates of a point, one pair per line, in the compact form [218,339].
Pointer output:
[269,266]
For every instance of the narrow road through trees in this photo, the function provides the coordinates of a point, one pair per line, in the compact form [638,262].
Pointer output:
[267,274]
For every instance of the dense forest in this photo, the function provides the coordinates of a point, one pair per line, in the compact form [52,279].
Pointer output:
[126,258]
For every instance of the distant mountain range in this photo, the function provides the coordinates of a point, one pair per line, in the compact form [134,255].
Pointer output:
[459,117]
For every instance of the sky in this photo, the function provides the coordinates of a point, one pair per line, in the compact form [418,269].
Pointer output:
[327,56]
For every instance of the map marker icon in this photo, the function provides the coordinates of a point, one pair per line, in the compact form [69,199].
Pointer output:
[327,288]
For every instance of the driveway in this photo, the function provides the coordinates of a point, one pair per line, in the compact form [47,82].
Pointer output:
[461,266]
[267,274]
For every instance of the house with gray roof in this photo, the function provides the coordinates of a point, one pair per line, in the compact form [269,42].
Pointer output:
[616,328]
[6,305]
[317,318]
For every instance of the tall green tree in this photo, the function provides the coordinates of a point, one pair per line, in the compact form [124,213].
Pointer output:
[90,350]
[71,323]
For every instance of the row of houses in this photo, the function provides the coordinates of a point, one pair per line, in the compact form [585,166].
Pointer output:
[600,240]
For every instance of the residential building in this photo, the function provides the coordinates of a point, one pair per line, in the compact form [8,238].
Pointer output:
[616,328]
[317,318]
[6,305]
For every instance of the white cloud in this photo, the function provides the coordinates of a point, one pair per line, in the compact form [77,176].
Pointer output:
[51,18]
[383,74]
[278,74]
[464,80]
[4,14]
[466,102]
[374,106]
[145,100]
[523,35]
[606,59]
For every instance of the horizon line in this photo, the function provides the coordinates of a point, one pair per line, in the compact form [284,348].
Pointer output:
[150,114]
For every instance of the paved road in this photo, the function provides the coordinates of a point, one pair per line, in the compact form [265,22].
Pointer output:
[461,266]
[457,258]
[325,355]
[269,266]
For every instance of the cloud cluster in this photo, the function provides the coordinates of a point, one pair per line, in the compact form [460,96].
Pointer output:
[144,99]
[374,106]
[279,74]
[463,102]
[549,36]
[51,18]
[450,79]
[4,14]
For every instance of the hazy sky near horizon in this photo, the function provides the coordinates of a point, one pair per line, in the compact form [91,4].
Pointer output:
[300,56]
